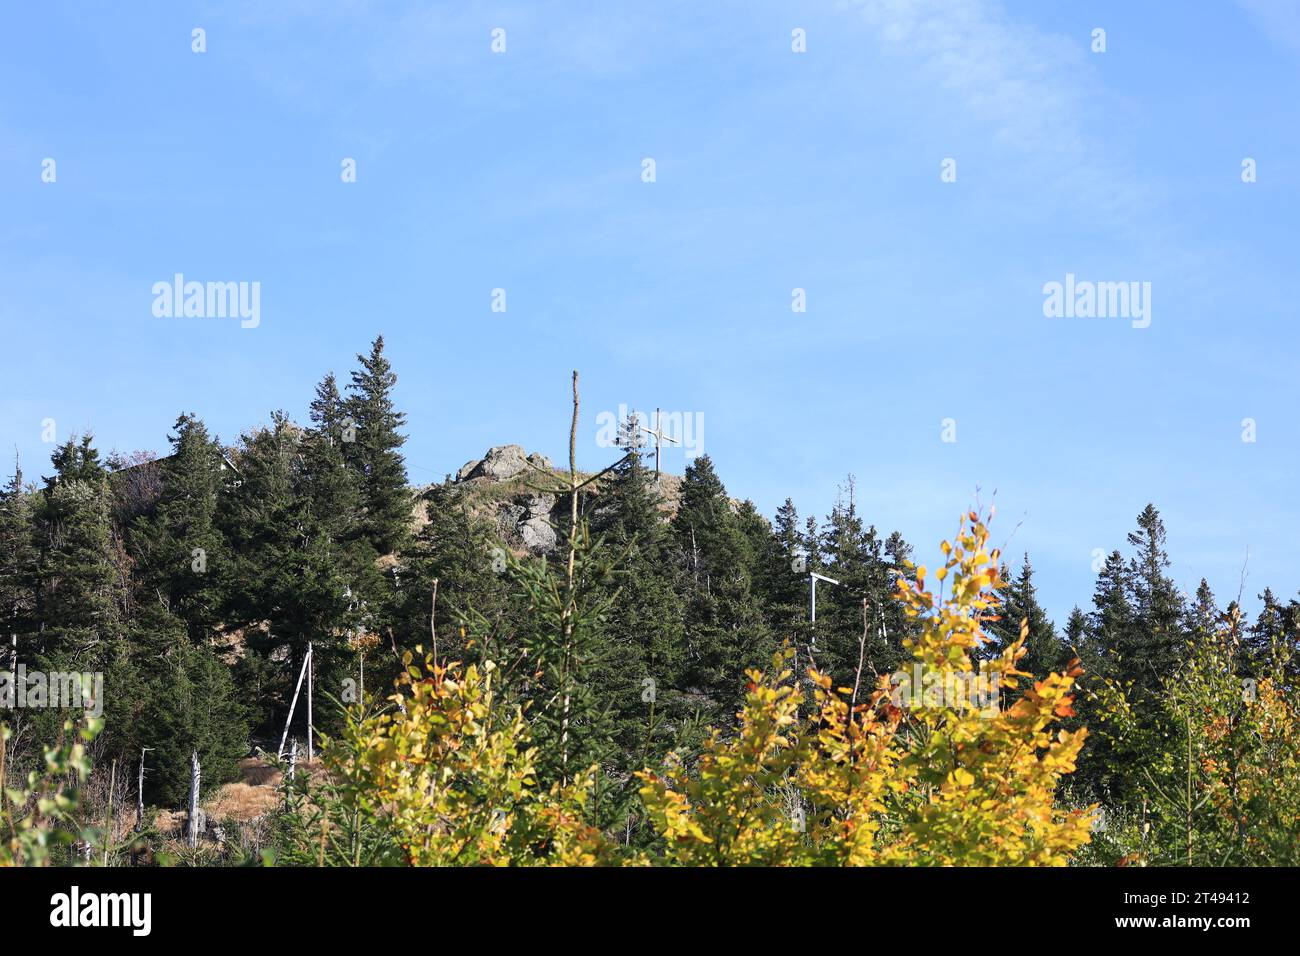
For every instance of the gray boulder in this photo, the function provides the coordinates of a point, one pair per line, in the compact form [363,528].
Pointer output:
[501,463]
[539,505]
[537,534]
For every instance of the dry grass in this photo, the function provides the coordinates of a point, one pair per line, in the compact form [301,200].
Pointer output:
[241,802]
[253,796]
[256,772]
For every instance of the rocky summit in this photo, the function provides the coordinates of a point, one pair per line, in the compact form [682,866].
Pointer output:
[518,489]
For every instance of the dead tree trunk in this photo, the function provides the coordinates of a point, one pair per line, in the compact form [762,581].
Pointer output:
[139,792]
[194,800]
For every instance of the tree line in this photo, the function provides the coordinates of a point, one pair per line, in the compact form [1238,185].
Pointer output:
[195,583]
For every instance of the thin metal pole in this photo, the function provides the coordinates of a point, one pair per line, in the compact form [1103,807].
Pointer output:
[294,703]
[310,726]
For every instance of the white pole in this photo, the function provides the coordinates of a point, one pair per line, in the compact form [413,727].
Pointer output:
[813,578]
[310,669]
[194,800]
[294,703]
[658,435]
[139,791]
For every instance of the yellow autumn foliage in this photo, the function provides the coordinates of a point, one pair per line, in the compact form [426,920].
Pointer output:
[940,781]
[452,777]
[811,776]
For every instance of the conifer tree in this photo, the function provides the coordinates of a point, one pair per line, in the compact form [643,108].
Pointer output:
[175,698]
[331,487]
[1109,638]
[18,565]
[854,555]
[178,549]
[1136,633]
[1203,614]
[562,643]
[1044,652]
[375,452]
[781,579]
[458,548]
[79,601]
[847,551]
[722,620]
[1113,621]
[1075,636]
[1158,644]
[295,586]
[643,631]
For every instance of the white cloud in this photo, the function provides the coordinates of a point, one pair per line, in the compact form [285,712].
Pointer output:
[1025,85]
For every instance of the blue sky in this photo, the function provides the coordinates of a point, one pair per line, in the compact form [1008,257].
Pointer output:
[775,170]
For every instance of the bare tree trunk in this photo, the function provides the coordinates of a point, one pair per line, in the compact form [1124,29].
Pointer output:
[139,792]
[862,653]
[194,800]
[1189,791]
[108,822]
[433,621]
[569,590]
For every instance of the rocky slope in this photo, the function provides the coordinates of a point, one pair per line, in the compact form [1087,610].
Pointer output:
[514,488]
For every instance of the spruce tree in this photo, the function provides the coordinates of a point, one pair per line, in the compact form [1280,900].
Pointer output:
[332,488]
[1276,631]
[178,550]
[723,624]
[80,597]
[847,552]
[781,579]
[1203,614]
[644,629]
[373,423]
[854,555]
[1044,652]
[181,698]
[1075,636]
[294,587]
[1112,623]
[18,568]
[1158,644]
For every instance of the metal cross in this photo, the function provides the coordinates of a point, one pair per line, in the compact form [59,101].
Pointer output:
[659,436]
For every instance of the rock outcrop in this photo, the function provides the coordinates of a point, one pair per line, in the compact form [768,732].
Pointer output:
[504,485]
[524,516]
